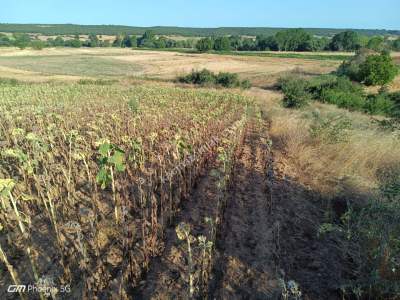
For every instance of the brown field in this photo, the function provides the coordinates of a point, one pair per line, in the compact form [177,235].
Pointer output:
[73,64]
[154,64]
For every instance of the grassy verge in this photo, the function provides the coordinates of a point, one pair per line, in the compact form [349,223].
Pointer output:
[340,91]
[349,160]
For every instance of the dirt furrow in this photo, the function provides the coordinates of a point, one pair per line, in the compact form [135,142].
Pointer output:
[247,266]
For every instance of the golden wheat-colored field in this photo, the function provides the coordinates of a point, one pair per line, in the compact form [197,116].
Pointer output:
[54,64]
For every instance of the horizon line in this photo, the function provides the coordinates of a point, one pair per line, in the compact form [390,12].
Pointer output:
[200,27]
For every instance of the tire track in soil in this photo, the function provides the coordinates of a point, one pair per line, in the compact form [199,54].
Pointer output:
[247,268]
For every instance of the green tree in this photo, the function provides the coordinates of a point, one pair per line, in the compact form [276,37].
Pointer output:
[134,41]
[396,45]
[173,44]
[38,45]
[378,70]
[74,43]
[148,35]
[294,40]
[235,42]
[58,42]
[5,40]
[248,44]
[320,44]
[222,44]
[21,40]
[117,42]
[127,42]
[204,45]
[345,41]
[351,68]
[295,92]
[376,43]
[269,43]
[93,41]
[147,40]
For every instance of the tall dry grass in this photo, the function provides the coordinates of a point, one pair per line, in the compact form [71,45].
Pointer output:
[367,157]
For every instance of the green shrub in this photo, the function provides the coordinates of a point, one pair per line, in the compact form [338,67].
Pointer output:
[346,85]
[340,91]
[319,83]
[330,89]
[246,84]
[38,45]
[295,91]
[203,77]
[395,97]
[330,129]
[228,80]
[370,234]
[343,99]
[380,104]
[375,230]
[378,70]
[369,68]
[351,68]
[8,81]
[208,78]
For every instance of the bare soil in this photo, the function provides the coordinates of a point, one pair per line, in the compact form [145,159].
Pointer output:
[246,247]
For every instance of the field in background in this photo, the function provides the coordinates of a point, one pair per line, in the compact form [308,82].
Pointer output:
[42,65]
[73,64]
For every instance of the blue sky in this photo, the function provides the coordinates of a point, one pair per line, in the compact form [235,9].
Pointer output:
[383,14]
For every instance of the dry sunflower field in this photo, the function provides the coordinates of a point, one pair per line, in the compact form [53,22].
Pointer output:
[88,182]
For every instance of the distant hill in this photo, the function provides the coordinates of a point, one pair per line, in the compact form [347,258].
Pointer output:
[70,29]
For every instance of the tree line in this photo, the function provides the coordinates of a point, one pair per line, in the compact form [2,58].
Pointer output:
[147,40]
[287,40]
[298,40]
[72,29]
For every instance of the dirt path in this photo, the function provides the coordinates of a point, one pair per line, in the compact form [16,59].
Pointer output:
[246,243]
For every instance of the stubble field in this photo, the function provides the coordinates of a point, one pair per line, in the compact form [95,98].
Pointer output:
[75,64]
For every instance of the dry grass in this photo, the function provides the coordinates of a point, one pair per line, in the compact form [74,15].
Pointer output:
[357,164]
[394,86]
